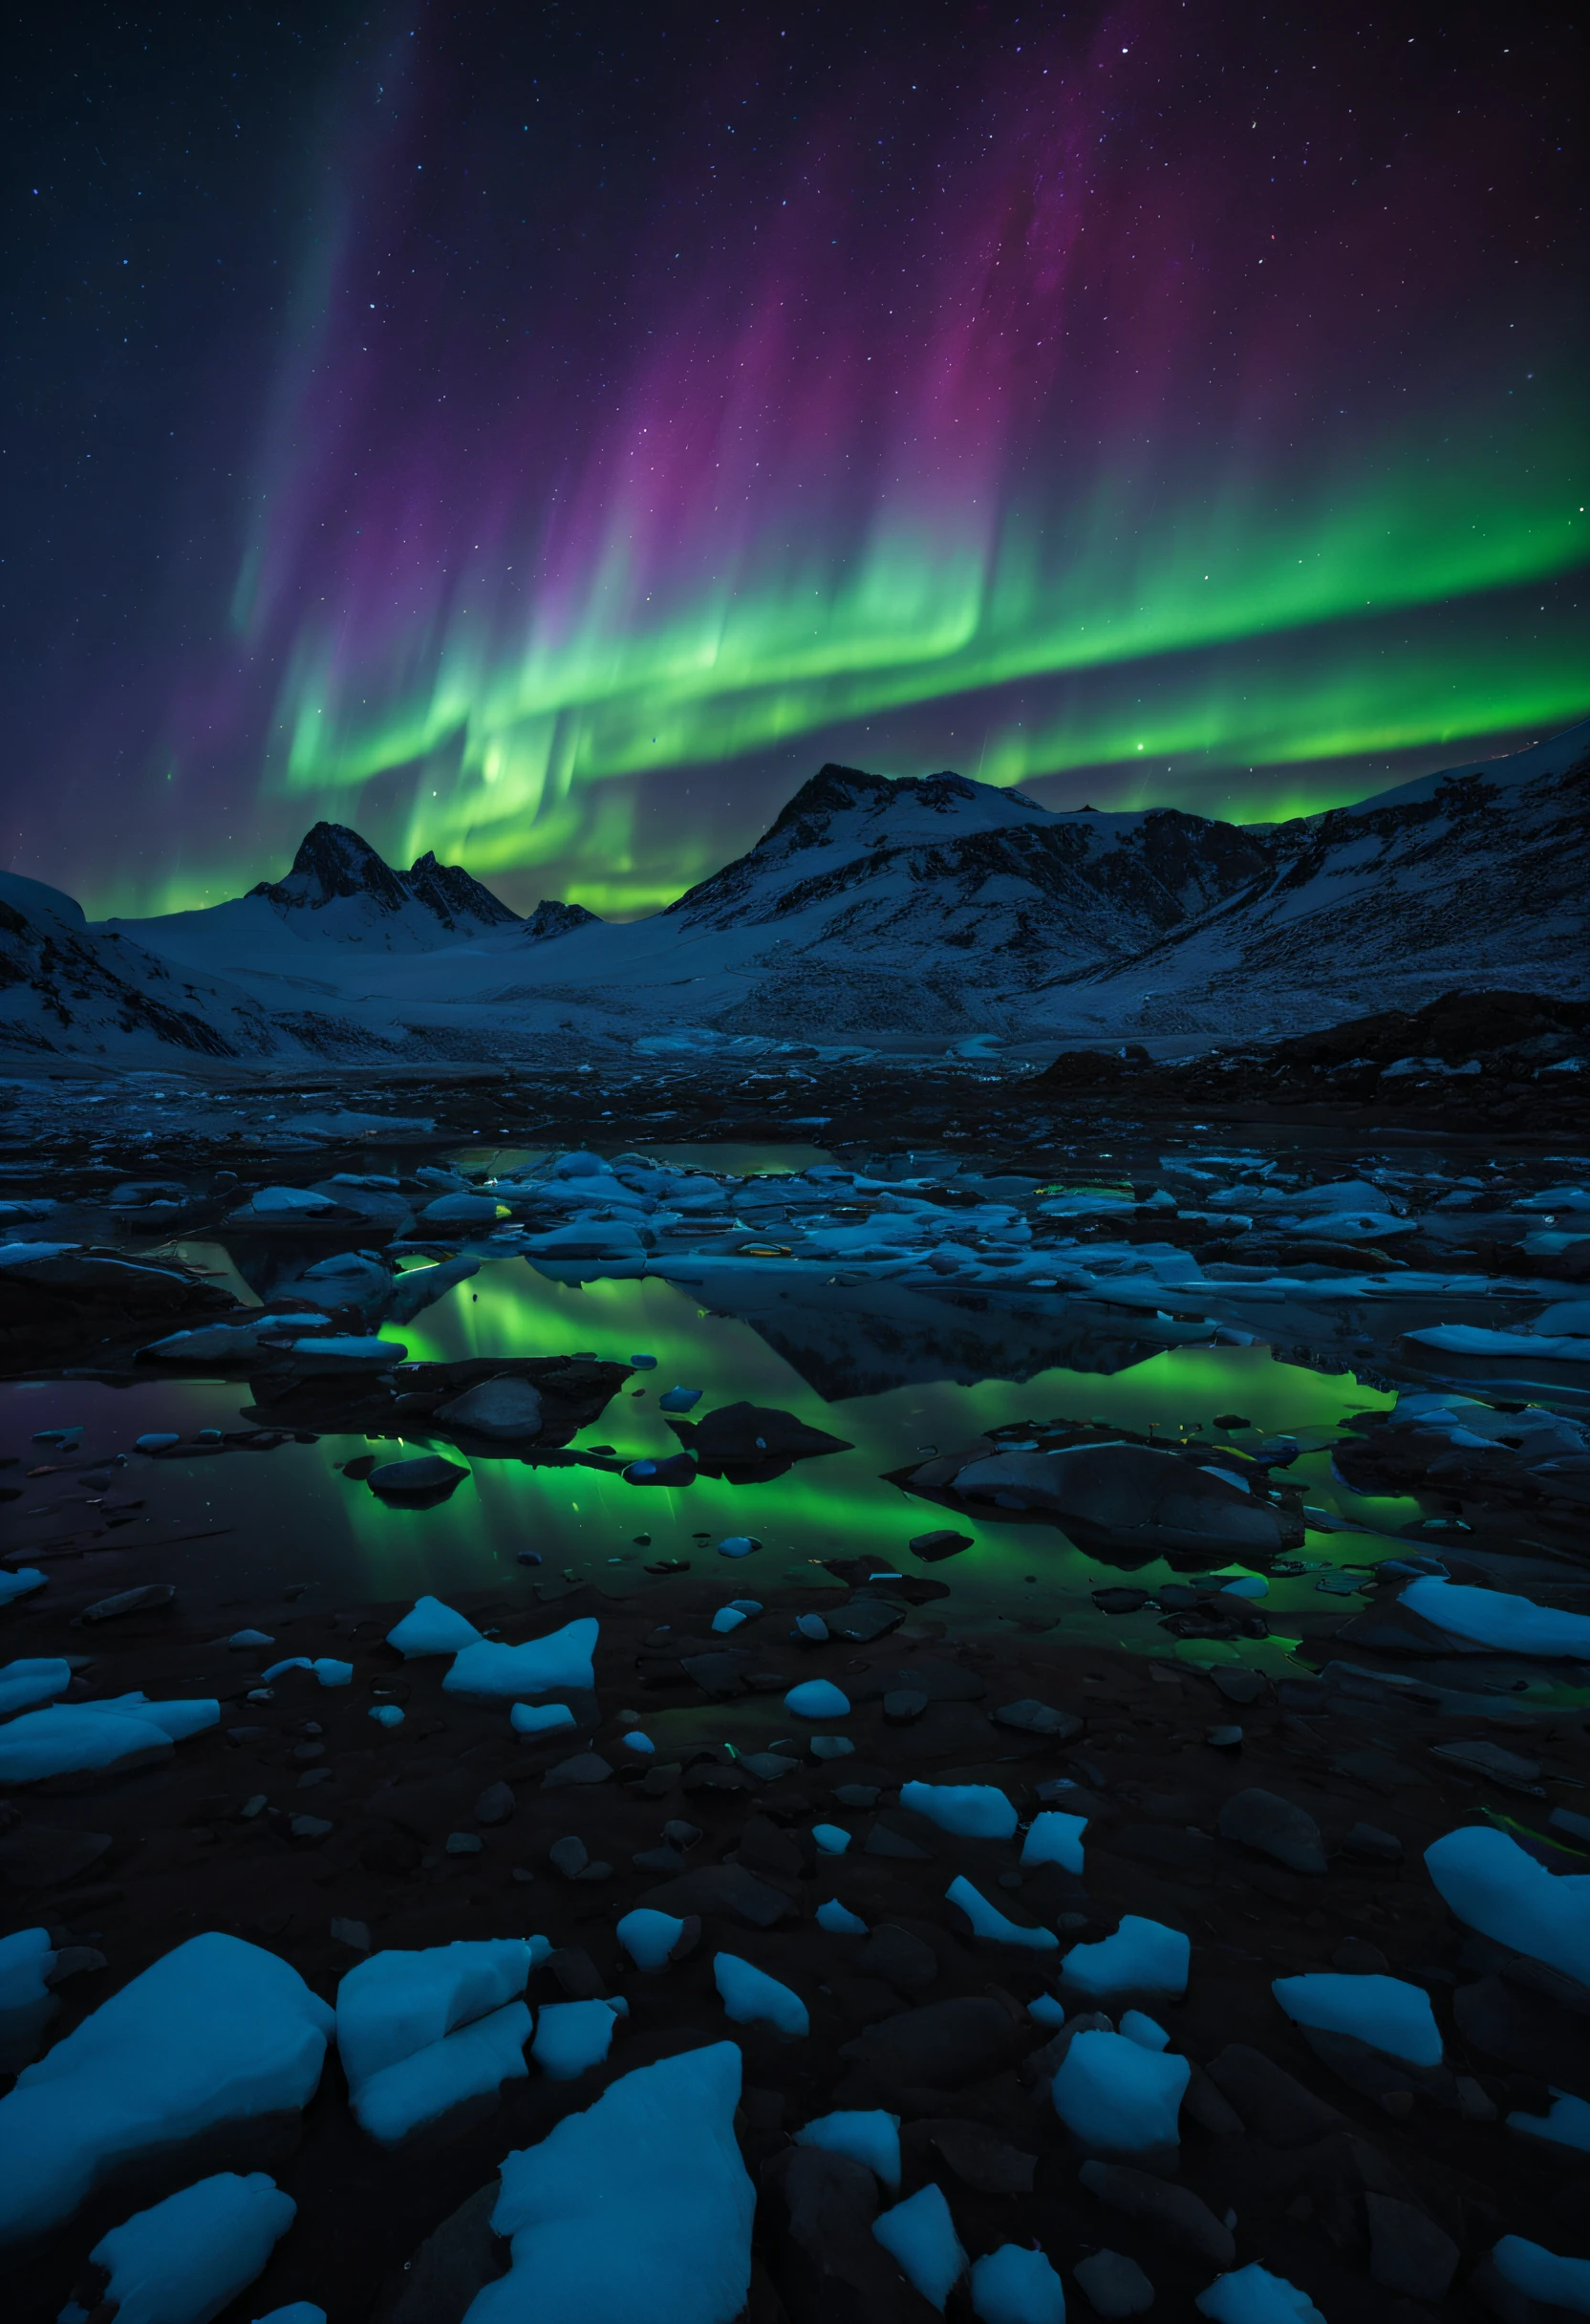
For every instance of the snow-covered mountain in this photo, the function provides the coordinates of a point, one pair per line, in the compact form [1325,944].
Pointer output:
[67,988]
[905,911]
[339,891]
[1479,874]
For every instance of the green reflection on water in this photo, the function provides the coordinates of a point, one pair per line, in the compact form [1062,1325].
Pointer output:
[583,1519]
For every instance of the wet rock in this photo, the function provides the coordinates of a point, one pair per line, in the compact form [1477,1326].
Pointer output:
[1274,1828]
[577,1974]
[900,1959]
[832,2269]
[507,1408]
[1241,1686]
[451,2267]
[1525,2031]
[312,1829]
[1174,2213]
[978,2158]
[1274,2104]
[1374,2074]
[495,1804]
[1115,2285]
[941,2045]
[719,1674]
[722,1888]
[1190,1855]
[143,1601]
[1375,1847]
[43,1855]
[884,1840]
[426,1477]
[462,1843]
[708,1775]
[75,1961]
[1117,1599]
[904,1706]
[1131,1496]
[1206,2105]
[585,1767]
[942,1544]
[764,1848]
[1035,1718]
[1407,2252]
[752,1436]
[865,1619]
[1355,1957]
[569,1857]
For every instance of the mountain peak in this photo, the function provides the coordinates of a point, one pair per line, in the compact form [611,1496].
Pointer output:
[335,865]
[333,861]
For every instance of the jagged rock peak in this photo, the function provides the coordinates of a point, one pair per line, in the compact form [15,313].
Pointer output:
[551,918]
[333,862]
[452,893]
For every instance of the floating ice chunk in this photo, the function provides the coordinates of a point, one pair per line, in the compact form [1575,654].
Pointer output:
[75,1741]
[215,2031]
[634,1740]
[23,1683]
[541,1719]
[972,1810]
[1117,2096]
[992,1925]
[1566,2124]
[1541,2275]
[1016,2286]
[1473,1340]
[1245,1585]
[728,1618]
[921,2234]
[1252,2295]
[640,2207]
[834,1917]
[817,1698]
[648,1937]
[297,2311]
[472,2063]
[25,1960]
[1495,1886]
[1383,2011]
[182,2260]
[1054,1837]
[571,2036]
[396,2003]
[833,1838]
[19,1583]
[872,2138]
[387,1715]
[1142,1955]
[738,1545]
[1045,2010]
[283,1202]
[1146,2031]
[1514,1625]
[431,1629]
[292,1661]
[540,1665]
[177,1721]
[753,1998]
[678,1399]
[330,1672]
[156,1440]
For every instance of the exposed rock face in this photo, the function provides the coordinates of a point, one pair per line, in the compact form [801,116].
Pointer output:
[334,865]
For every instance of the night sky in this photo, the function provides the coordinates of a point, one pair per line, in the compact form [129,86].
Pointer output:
[546,433]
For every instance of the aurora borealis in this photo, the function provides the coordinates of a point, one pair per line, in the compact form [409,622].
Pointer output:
[545,435]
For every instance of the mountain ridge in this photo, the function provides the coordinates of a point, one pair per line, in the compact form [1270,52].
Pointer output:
[902,909]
